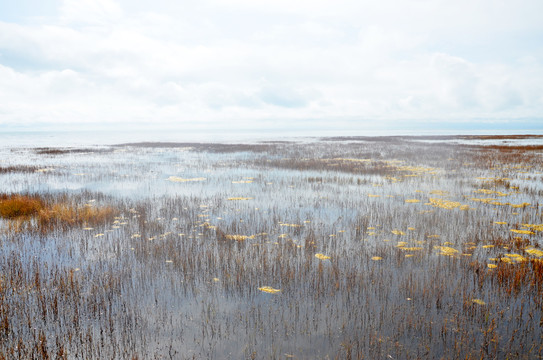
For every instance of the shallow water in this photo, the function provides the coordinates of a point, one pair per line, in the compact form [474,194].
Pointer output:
[202,227]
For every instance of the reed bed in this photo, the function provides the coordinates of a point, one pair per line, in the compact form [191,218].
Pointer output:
[337,248]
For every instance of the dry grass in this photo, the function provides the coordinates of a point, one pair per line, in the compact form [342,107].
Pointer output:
[14,206]
[21,208]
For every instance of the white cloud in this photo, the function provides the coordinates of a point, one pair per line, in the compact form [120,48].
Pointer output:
[236,61]
[90,12]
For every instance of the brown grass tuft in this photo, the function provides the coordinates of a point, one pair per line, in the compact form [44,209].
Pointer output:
[22,207]
[12,207]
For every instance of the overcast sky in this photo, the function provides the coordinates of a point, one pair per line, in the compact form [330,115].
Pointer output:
[266,64]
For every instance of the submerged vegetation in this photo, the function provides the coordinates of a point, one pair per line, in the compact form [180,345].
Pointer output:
[339,248]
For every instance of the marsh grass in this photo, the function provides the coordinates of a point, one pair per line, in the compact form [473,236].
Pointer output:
[280,253]
[46,215]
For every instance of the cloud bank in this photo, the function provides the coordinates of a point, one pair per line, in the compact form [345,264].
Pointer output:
[273,64]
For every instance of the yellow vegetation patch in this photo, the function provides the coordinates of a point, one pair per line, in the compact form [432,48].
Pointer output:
[180,179]
[373,196]
[491,266]
[446,204]
[413,248]
[478,301]
[401,244]
[534,226]
[236,237]
[514,258]
[291,225]
[239,198]
[398,232]
[500,222]
[412,201]
[376,258]
[533,251]
[490,192]
[439,192]
[445,250]
[517,206]
[526,232]
[411,228]
[242,182]
[269,289]
[322,257]
[488,246]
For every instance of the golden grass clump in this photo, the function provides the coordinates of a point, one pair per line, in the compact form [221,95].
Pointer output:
[76,215]
[14,206]
[23,207]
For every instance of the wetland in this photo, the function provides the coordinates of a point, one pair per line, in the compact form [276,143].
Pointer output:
[316,248]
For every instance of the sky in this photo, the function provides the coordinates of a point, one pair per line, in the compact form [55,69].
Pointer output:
[232,65]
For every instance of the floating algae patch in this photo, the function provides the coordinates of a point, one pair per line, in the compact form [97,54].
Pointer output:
[446,204]
[513,258]
[533,251]
[525,232]
[322,256]
[446,250]
[236,237]
[534,227]
[269,290]
[490,192]
[412,248]
[519,206]
[180,179]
